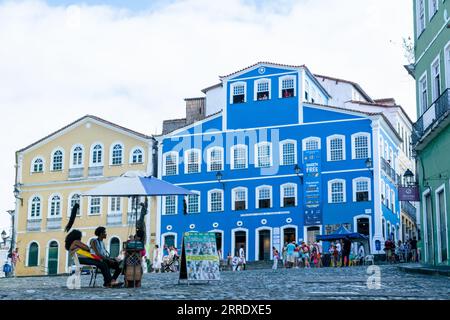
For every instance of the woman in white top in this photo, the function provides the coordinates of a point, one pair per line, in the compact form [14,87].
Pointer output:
[242,256]
[157,259]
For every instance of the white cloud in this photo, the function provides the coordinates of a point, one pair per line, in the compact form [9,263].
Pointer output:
[135,68]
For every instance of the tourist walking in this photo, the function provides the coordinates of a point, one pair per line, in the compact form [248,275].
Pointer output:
[276,257]
[290,254]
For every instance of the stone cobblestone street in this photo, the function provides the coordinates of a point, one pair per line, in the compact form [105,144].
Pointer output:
[264,284]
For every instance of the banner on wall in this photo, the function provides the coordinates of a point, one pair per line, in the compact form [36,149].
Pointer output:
[199,257]
[312,187]
[408,193]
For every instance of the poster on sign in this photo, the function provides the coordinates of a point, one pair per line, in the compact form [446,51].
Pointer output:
[199,257]
[312,187]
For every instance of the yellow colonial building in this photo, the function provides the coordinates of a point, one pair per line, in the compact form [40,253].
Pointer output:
[53,172]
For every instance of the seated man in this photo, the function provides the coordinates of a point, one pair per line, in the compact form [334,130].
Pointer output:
[98,248]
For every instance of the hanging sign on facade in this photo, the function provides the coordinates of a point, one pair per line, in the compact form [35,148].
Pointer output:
[199,257]
[408,193]
[312,187]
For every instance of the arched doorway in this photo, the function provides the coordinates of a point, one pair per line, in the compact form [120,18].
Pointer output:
[114,247]
[240,240]
[311,233]
[288,235]
[264,244]
[52,262]
[363,226]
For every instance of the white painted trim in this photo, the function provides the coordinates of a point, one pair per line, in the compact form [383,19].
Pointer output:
[284,185]
[209,200]
[83,156]
[332,137]
[91,155]
[199,202]
[233,149]
[433,89]
[369,147]
[271,213]
[32,164]
[355,228]
[52,155]
[208,158]
[111,147]
[231,78]
[233,242]
[330,183]
[441,188]
[423,106]
[27,254]
[257,241]
[186,160]
[90,205]
[108,210]
[369,184]
[305,232]
[165,234]
[432,13]
[263,143]
[222,242]
[30,201]
[164,159]
[49,204]
[255,87]
[447,64]
[282,143]
[288,226]
[308,139]
[130,161]
[237,84]
[46,255]
[257,195]
[164,205]
[233,197]
[110,240]
[419,30]
[280,83]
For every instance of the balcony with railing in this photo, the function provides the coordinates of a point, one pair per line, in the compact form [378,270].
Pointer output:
[54,223]
[114,219]
[389,171]
[34,224]
[433,115]
[75,173]
[95,171]
[409,209]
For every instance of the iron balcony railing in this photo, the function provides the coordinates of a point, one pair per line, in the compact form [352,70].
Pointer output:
[409,209]
[390,172]
[432,115]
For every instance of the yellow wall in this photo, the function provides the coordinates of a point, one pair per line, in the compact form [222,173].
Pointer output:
[49,183]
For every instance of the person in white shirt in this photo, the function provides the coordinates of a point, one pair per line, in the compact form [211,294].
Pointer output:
[242,256]
[157,259]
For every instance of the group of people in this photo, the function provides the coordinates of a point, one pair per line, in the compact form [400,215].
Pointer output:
[96,254]
[167,256]
[10,263]
[402,252]
[296,255]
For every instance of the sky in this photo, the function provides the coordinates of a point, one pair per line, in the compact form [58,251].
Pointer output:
[134,62]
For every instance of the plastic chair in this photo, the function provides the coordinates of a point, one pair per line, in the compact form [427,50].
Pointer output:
[93,270]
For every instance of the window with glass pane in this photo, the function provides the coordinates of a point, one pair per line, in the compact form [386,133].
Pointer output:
[193,162]
[361,147]
[421,15]
[424,94]
[35,207]
[117,154]
[239,94]
[74,200]
[55,206]
[312,145]
[33,255]
[171,165]
[262,90]
[288,196]
[193,203]
[97,154]
[362,191]
[170,205]
[264,155]
[240,158]
[95,206]
[57,160]
[216,201]
[337,192]
[287,88]
[216,159]
[264,197]
[442,226]
[38,165]
[433,7]
[77,159]
[137,156]
[288,153]
[436,81]
[115,205]
[336,150]
[240,196]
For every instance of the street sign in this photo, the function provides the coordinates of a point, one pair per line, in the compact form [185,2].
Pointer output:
[408,193]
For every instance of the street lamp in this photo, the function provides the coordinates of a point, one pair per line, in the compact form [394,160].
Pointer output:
[4,237]
[298,172]
[219,177]
[369,165]
[17,194]
[409,177]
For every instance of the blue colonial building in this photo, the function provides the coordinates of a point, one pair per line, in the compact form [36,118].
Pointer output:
[271,159]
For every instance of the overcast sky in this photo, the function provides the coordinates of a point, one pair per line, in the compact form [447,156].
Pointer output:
[133,62]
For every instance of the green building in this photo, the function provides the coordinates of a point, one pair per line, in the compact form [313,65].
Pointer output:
[431,136]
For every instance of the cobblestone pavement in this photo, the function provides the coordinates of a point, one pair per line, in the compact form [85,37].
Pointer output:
[298,284]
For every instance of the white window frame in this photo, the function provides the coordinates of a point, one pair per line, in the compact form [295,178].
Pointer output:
[233,197]
[209,200]
[423,80]
[27,258]
[232,153]
[388,196]
[186,160]
[90,206]
[208,158]
[50,200]
[30,207]
[344,190]
[263,143]
[164,206]
[91,155]
[72,150]
[282,143]
[393,206]
[282,187]
[165,162]
[447,65]
[111,150]
[306,96]
[419,28]
[369,187]
[332,137]
[69,203]
[198,193]
[111,212]
[32,164]
[255,88]
[52,166]
[280,84]
[356,135]
[440,189]
[236,84]
[132,154]
[257,196]
[431,13]
[434,93]
[308,139]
